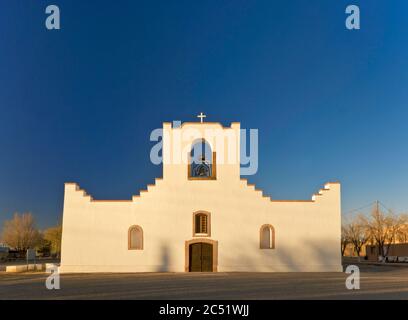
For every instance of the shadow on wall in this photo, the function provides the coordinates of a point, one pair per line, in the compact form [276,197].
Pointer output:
[165,262]
[312,254]
[317,253]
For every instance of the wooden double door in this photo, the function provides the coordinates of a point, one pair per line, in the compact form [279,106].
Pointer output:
[201,257]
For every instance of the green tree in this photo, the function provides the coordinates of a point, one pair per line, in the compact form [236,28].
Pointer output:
[53,237]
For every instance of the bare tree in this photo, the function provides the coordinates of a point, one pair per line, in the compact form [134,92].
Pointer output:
[345,238]
[21,232]
[384,228]
[402,236]
[358,233]
[397,225]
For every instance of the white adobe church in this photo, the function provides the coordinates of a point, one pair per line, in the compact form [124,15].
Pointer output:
[201,216]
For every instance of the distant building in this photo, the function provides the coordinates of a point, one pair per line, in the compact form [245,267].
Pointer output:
[397,250]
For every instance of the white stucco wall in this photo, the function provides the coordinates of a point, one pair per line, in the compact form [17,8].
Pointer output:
[95,233]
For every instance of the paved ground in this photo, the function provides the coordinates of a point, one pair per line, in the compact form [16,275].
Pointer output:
[377,282]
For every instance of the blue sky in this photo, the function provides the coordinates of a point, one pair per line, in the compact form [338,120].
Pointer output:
[79,104]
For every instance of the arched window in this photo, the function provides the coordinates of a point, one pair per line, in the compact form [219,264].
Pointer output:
[135,235]
[202,161]
[267,237]
[201,224]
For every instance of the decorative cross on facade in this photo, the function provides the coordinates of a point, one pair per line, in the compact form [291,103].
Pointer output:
[201,116]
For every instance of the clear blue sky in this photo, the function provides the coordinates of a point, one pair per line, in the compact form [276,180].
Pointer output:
[79,104]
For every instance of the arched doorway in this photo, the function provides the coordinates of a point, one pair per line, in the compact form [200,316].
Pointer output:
[201,255]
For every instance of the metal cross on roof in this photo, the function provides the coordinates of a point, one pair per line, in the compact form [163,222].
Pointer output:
[201,116]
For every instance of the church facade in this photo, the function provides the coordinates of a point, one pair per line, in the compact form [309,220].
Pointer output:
[201,216]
